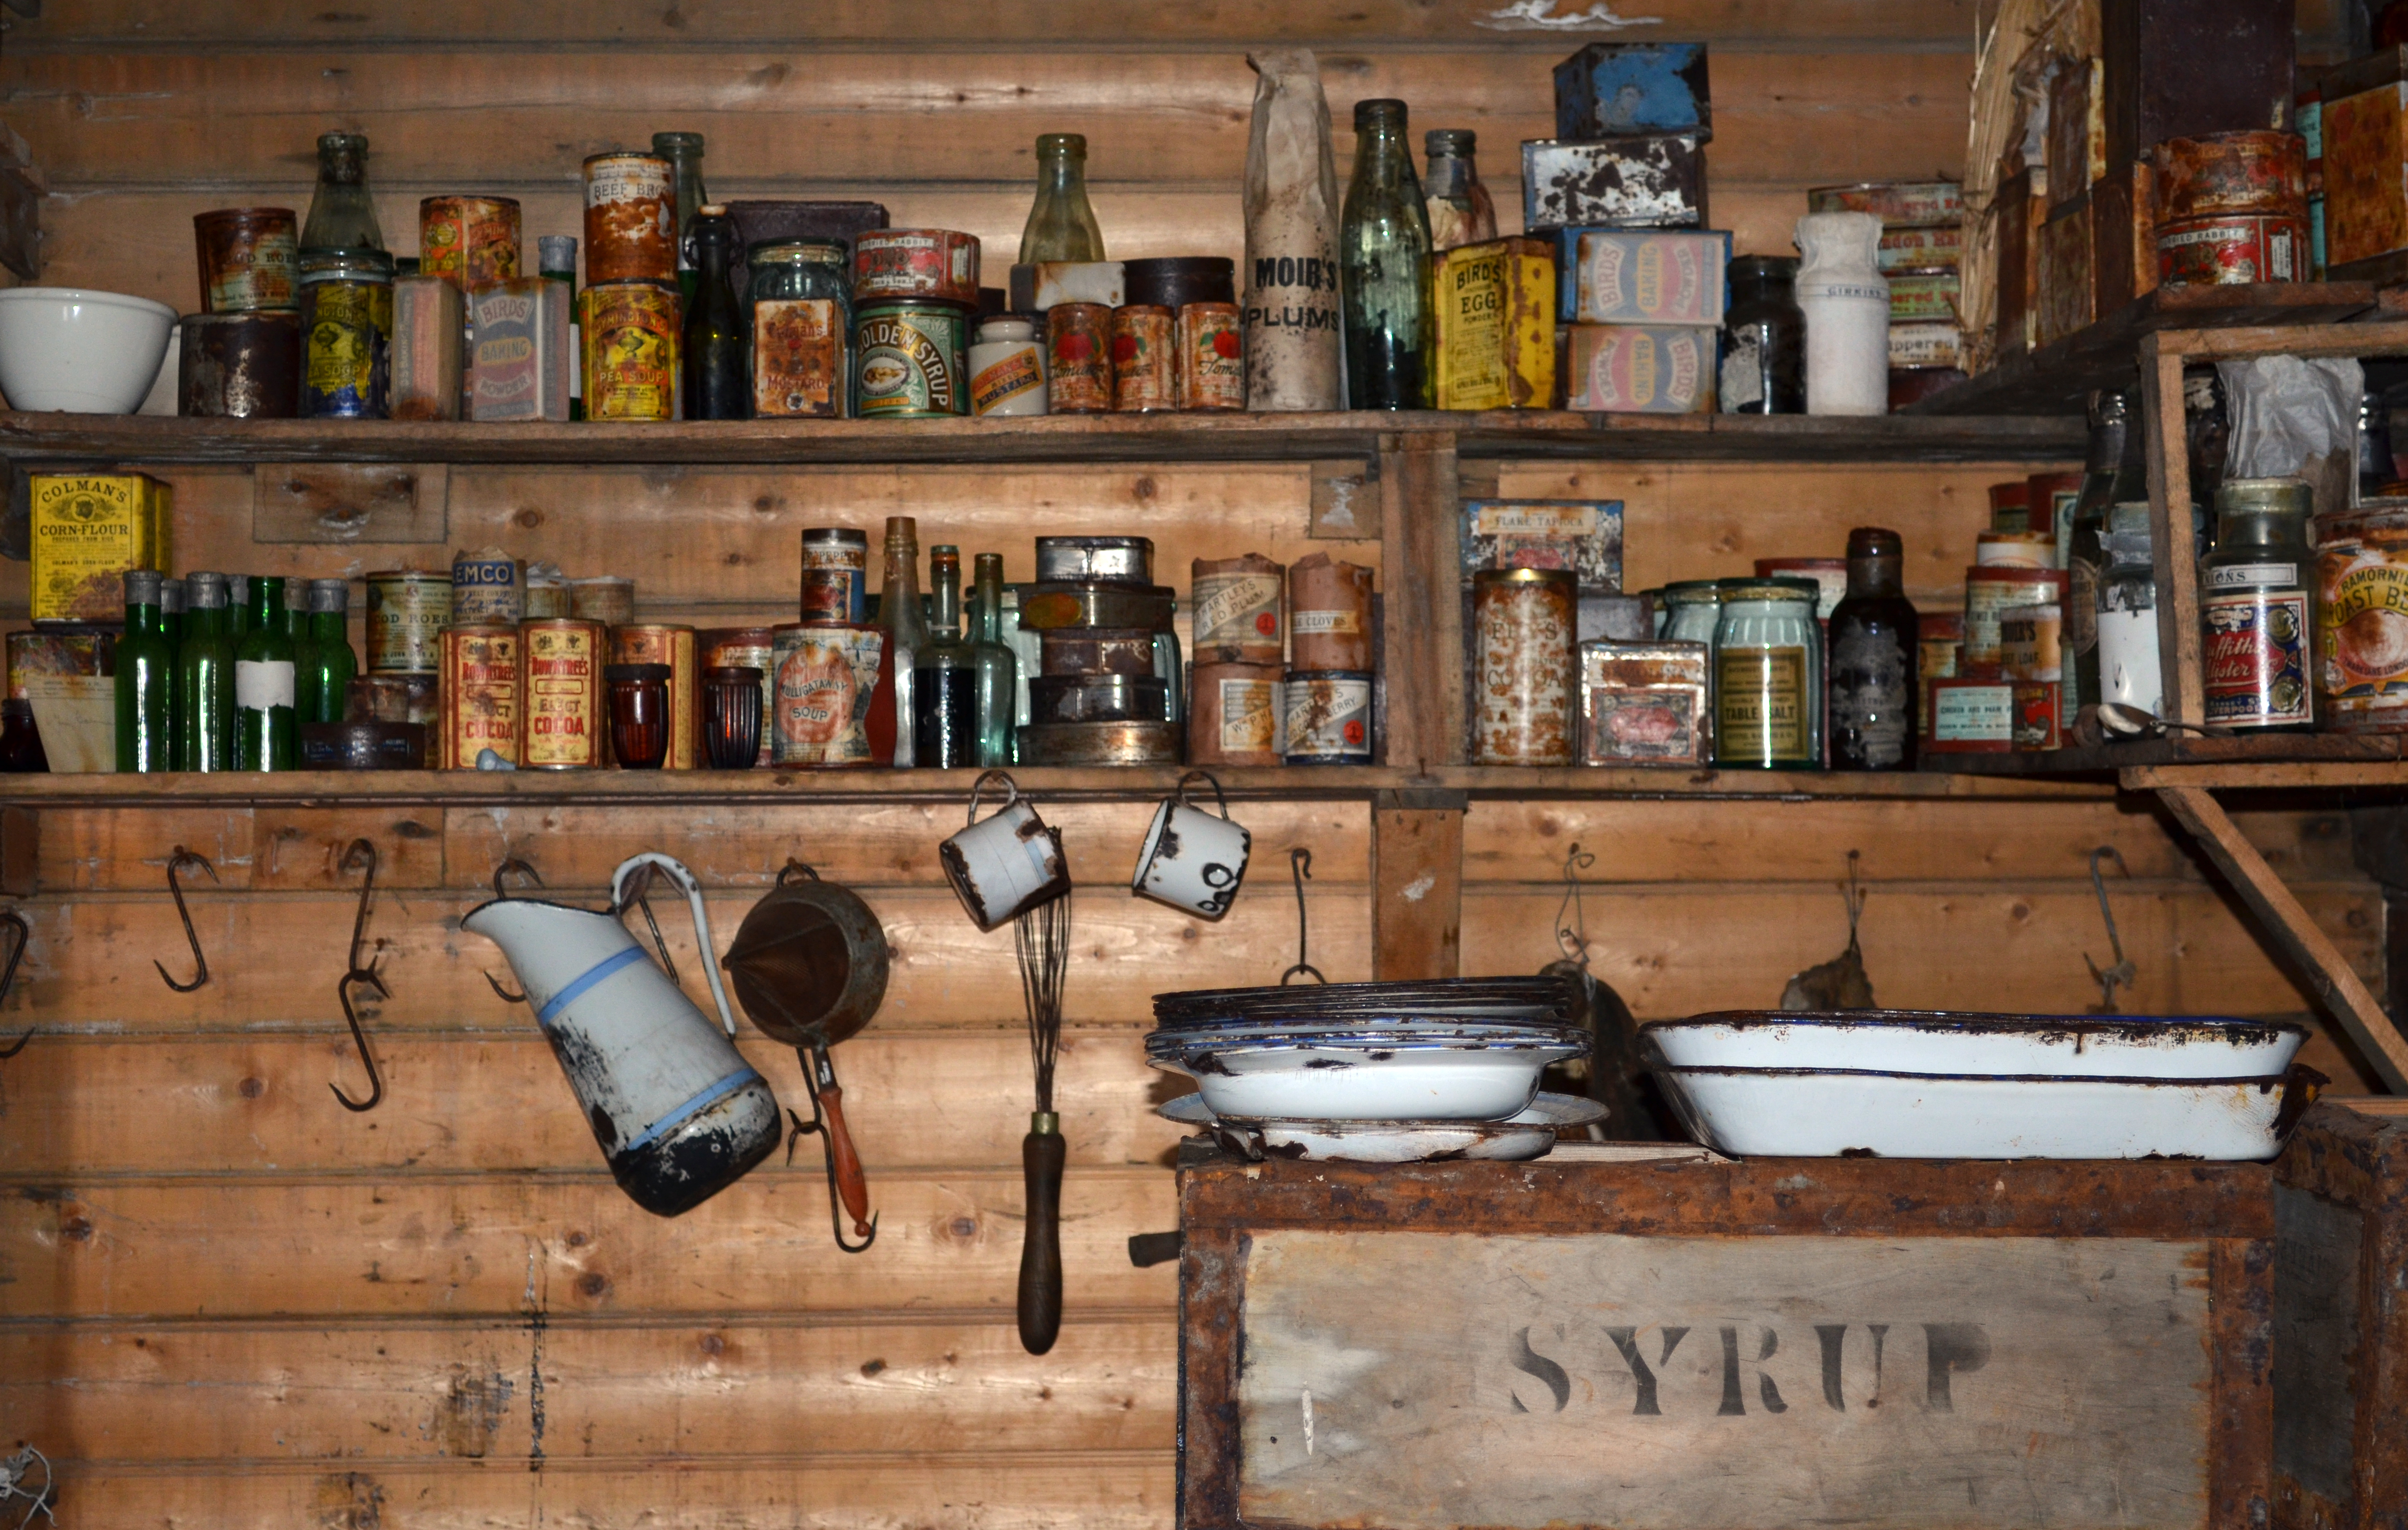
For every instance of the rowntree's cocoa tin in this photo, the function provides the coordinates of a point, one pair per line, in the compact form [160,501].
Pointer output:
[483,695]
[1144,360]
[665,643]
[631,350]
[910,361]
[927,264]
[469,241]
[630,219]
[407,611]
[2231,248]
[1211,357]
[1079,359]
[726,648]
[1233,715]
[1326,717]
[2254,172]
[824,680]
[246,256]
[565,719]
[2361,617]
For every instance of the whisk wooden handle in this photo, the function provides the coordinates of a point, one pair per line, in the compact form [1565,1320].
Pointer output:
[851,1183]
[1042,1154]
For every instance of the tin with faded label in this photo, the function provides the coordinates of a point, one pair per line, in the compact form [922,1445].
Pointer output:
[1238,610]
[938,265]
[565,723]
[799,356]
[247,259]
[836,575]
[2361,606]
[1495,334]
[34,657]
[2253,664]
[1525,623]
[1920,297]
[488,586]
[1326,717]
[910,361]
[607,598]
[407,611]
[520,365]
[87,530]
[1642,277]
[2255,172]
[1898,204]
[824,678]
[469,241]
[1920,248]
[346,335]
[630,219]
[1211,357]
[1329,614]
[1643,703]
[1639,368]
[482,694]
[1079,359]
[630,332]
[673,646]
[1583,536]
[1144,360]
[2231,249]
[1233,715]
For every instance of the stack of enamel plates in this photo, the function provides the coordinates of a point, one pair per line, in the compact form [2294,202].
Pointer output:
[1903,1084]
[1374,1072]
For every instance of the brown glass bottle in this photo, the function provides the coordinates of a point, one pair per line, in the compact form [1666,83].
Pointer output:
[1872,688]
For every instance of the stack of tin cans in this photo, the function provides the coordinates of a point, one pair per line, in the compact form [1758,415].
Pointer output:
[241,354]
[915,297]
[1107,687]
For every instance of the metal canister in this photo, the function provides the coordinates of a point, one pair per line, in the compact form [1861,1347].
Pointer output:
[607,598]
[240,367]
[910,360]
[1095,651]
[630,219]
[427,358]
[488,586]
[547,593]
[1329,614]
[1238,610]
[667,643]
[415,699]
[1326,717]
[469,241]
[2231,248]
[346,334]
[2253,608]
[407,611]
[1525,624]
[2251,172]
[801,298]
[1174,281]
[836,575]
[565,723]
[1110,560]
[2015,549]
[1144,360]
[824,678]
[33,654]
[2361,654]
[725,647]
[924,263]
[483,695]
[1079,359]
[245,255]
[1211,357]
[1233,715]
[1989,591]
[630,333]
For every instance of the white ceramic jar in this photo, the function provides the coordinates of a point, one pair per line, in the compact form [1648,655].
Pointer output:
[1006,369]
[1846,303]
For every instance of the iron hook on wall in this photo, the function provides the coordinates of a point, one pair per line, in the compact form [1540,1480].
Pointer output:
[182,858]
[362,855]
[2123,973]
[1573,938]
[1300,866]
[534,878]
[15,920]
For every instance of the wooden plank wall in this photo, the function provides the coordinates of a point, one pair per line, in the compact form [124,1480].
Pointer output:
[225,1302]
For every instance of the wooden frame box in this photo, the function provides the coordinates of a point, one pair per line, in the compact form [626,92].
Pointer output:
[1675,1344]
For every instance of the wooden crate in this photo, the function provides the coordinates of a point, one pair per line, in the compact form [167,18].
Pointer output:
[2340,1337]
[1682,1345]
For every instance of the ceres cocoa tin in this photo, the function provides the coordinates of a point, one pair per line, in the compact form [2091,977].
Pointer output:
[1144,360]
[824,678]
[916,263]
[630,219]
[469,241]
[2361,652]
[665,643]
[910,361]
[407,611]
[1524,631]
[482,696]
[565,720]
[1211,357]
[631,351]
[245,255]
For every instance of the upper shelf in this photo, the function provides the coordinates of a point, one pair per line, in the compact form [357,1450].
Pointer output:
[92,438]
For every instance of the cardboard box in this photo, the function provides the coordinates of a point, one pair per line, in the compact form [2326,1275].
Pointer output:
[1641,368]
[1644,181]
[1582,535]
[2181,69]
[1609,89]
[1495,307]
[1642,277]
[2065,291]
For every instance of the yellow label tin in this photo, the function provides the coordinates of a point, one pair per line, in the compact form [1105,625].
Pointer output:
[1496,307]
[88,529]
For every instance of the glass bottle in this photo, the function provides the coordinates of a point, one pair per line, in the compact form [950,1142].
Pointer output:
[171,610]
[717,343]
[2132,667]
[21,742]
[997,666]
[342,215]
[944,674]
[1383,247]
[2115,472]
[237,606]
[324,681]
[684,150]
[2253,608]
[1767,664]
[266,734]
[1764,338]
[1458,206]
[1061,225]
[907,634]
[1872,635]
[204,678]
[556,261]
[146,681]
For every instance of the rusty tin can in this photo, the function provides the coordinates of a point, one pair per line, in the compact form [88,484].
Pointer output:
[1643,703]
[630,333]
[1144,360]
[836,575]
[1898,204]
[1211,358]
[630,219]
[1329,614]
[607,598]
[566,721]
[1095,651]
[1238,610]
[346,335]
[936,264]
[547,593]
[1325,717]
[910,360]
[469,241]
[247,259]
[1988,591]
[488,586]
[2232,249]
[482,694]
[668,643]
[824,678]
[1233,715]
[34,654]
[240,367]
[2362,616]
[727,648]
[1919,296]
[394,698]
[1920,248]
[1496,325]
[1525,623]
[407,611]
[1079,359]
[2254,172]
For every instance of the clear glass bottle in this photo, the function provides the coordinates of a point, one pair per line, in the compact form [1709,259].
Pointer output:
[1768,667]
[1764,340]
[2115,472]
[556,261]
[944,674]
[1061,225]
[2253,608]
[907,634]
[1871,695]
[684,150]
[717,345]
[328,668]
[146,681]
[2132,667]
[342,215]
[997,666]
[204,678]
[1383,247]
[266,734]
[1459,208]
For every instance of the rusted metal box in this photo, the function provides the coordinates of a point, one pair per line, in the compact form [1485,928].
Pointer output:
[2341,1322]
[1678,1345]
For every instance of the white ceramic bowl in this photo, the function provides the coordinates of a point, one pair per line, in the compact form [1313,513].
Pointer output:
[1393,1079]
[1929,1041]
[85,353]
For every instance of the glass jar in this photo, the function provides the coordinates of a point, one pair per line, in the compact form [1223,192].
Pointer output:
[1061,225]
[2128,660]
[639,714]
[801,301]
[1460,210]
[1768,671]
[1764,338]
[346,335]
[731,716]
[2253,608]
[342,215]
[1694,607]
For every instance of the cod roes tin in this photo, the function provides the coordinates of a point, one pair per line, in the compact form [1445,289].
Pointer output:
[482,695]
[910,360]
[665,643]
[407,611]
[563,695]
[631,351]
[245,255]
[630,219]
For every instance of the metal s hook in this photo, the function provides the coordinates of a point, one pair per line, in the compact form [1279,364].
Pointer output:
[15,921]
[2123,973]
[794,869]
[1572,940]
[818,1124]
[184,857]
[362,855]
[1299,865]
[509,863]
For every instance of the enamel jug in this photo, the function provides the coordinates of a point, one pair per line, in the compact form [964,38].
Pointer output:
[679,1115]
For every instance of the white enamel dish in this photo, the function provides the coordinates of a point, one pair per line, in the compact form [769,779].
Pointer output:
[1530,1134]
[1484,1075]
[1826,1113]
[1925,1041]
[87,353]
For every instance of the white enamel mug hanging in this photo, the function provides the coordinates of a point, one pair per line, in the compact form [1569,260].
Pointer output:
[1191,859]
[1007,862]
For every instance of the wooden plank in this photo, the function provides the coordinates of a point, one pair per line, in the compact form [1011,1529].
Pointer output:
[2306,775]
[415,1245]
[2171,545]
[2321,967]
[344,504]
[1416,890]
[2304,338]
[1419,623]
[21,846]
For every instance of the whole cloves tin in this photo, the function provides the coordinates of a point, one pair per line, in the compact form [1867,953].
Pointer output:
[1525,624]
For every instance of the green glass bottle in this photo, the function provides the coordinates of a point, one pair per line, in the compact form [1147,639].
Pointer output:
[1061,225]
[204,678]
[266,732]
[146,681]
[1384,250]
[684,150]
[323,683]
[717,345]
[171,611]
[944,705]
[556,261]
[998,668]
[237,606]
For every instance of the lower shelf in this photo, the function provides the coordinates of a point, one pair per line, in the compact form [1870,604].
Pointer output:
[2300,761]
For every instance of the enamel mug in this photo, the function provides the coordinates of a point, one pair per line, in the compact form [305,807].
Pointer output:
[1007,864]
[1190,859]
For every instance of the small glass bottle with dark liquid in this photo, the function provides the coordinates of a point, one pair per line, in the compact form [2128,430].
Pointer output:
[944,676]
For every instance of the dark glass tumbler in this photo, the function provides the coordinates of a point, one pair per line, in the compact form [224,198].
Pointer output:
[639,714]
[731,716]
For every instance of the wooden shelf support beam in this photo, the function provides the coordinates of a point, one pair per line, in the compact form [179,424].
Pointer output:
[1417,884]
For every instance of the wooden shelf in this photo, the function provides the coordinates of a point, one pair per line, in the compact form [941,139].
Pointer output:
[33,440]
[2056,377]
[2295,762]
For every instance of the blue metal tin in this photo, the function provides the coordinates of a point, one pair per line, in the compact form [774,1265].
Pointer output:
[1612,87]
[488,586]
[346,335]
